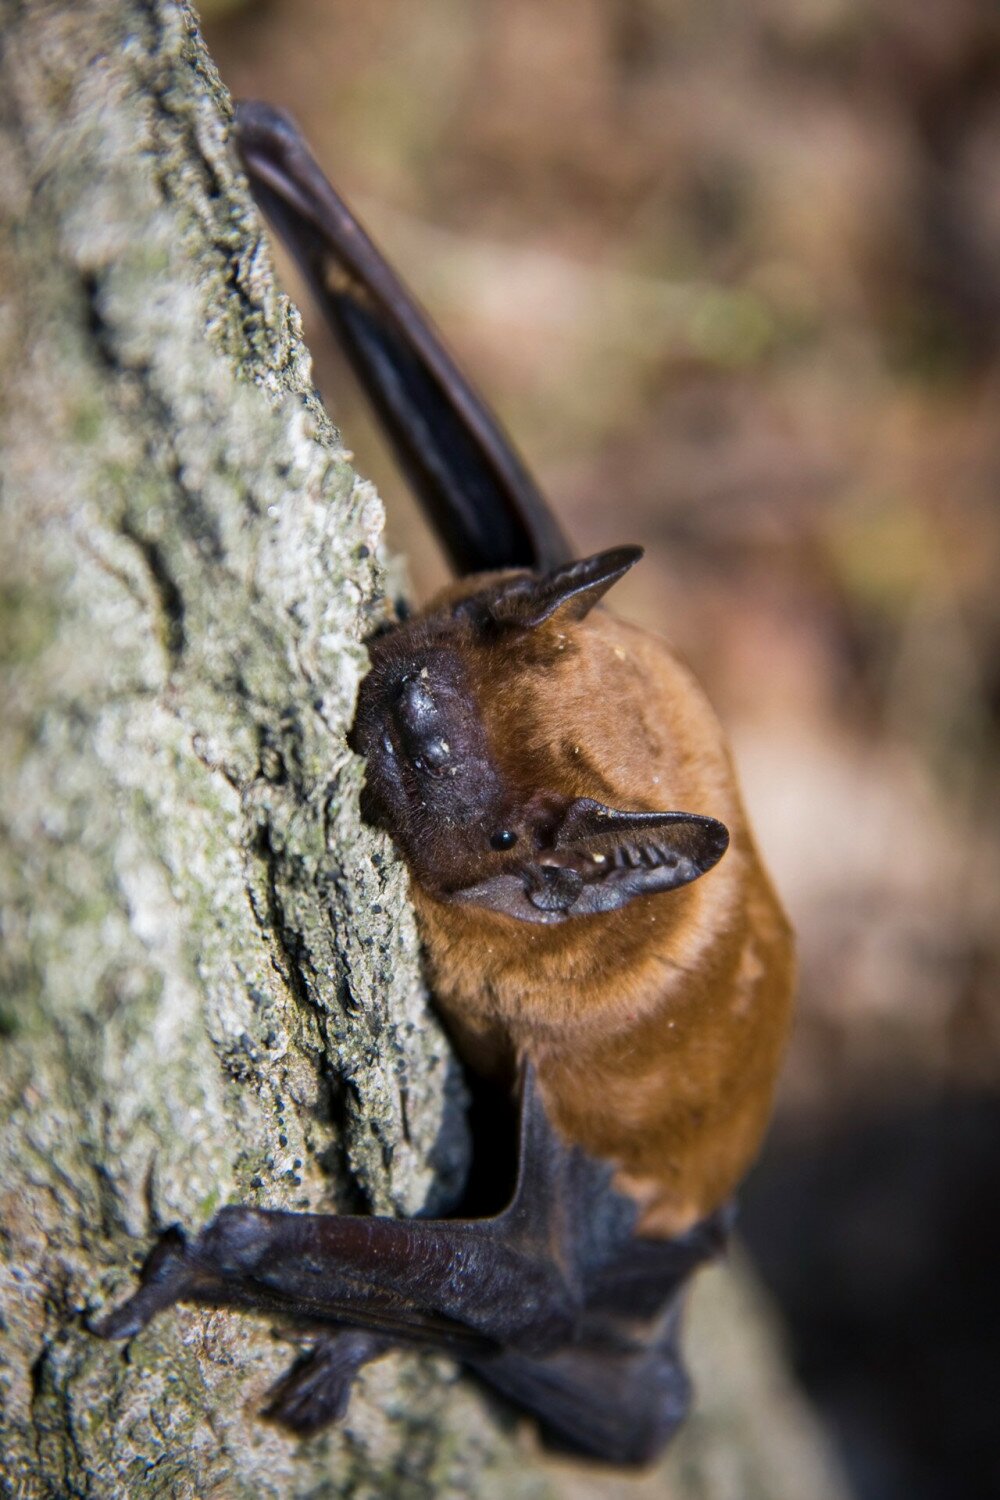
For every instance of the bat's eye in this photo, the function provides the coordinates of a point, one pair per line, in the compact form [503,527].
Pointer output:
[504,838]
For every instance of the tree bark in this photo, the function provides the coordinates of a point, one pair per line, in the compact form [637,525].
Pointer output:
[209,988]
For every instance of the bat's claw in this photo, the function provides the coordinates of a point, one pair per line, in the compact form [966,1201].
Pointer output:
[166,1276]
[317,1389]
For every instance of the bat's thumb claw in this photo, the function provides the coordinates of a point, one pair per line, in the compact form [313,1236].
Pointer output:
[165,1277]
[121,1323]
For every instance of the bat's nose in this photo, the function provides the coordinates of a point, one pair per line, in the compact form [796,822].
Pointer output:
[415,703]
[421,723]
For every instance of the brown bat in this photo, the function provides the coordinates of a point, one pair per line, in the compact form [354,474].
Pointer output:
[583,944]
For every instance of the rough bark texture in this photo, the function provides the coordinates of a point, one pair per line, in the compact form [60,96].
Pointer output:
[208,979]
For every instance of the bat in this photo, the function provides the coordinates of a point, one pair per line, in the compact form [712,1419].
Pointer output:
[601,937]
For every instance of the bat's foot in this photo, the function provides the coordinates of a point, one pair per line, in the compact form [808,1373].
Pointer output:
[316,1390]
[166,1277]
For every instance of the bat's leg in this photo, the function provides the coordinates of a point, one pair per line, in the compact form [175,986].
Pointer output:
[619,1401]
[516,1280]
[316,1390]
[484,504]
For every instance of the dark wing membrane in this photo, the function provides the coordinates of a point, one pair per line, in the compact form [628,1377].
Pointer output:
[480,498]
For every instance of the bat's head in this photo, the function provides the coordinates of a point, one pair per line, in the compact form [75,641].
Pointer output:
[463,722]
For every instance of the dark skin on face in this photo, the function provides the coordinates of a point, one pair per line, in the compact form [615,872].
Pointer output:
[563,797]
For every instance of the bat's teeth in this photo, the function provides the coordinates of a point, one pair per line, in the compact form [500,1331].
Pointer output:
[652,857]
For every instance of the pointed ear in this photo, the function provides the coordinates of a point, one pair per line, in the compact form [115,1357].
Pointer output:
[600,860]
[586,821]
[621,855]
[524,602]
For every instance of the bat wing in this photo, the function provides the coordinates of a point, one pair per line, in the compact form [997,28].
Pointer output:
[616,1401]
[619,1389]
[486,508]
[552,1302]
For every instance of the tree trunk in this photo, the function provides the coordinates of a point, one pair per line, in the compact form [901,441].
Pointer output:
[209,989]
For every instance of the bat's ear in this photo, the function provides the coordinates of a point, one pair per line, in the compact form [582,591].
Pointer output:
[599,860]
[620,855]
[524,602]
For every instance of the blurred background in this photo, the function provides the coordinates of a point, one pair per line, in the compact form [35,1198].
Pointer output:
[730,271]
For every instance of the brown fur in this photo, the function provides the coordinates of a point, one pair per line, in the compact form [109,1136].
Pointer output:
[657,1030]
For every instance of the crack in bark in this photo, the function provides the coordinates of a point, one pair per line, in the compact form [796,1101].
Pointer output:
[168,594]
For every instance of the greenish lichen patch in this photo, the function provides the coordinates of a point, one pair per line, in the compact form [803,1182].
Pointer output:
[26,626]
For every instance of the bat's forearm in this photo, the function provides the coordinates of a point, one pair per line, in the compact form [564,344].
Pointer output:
[466,1285]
